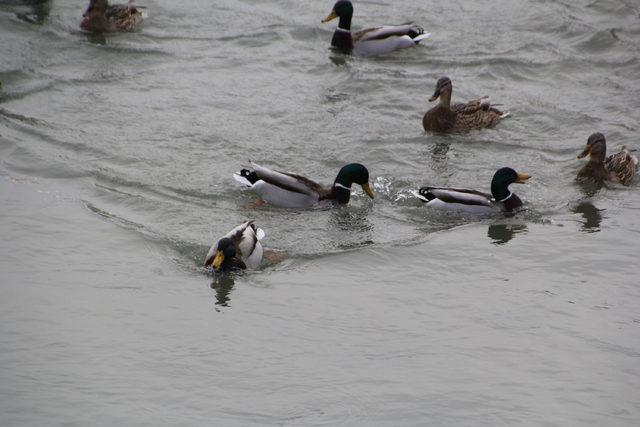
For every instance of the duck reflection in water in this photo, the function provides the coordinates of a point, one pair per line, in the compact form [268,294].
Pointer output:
[222,284]
[502,233]
[352,226]
[40,11]
[338,59]
[591,214]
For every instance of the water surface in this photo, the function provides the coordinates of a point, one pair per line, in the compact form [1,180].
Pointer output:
[116,176]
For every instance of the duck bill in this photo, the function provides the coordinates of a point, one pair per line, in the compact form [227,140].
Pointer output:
[522,178]
[217,261]
[435,96]
[367,189]
[585,153]
[333,15]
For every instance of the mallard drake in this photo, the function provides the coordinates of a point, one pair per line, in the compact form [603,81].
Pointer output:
[239,249]
[101,17]
[500,199]
[290,190]
[620,167]
[445,117]
[371,41]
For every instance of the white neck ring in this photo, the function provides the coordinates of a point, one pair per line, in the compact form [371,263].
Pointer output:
[506,198]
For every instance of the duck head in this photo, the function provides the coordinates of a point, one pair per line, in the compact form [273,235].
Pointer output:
[350,174]
[343,9]
[501,181]
[444,87]
[225,254]
[96,6]
[596,148]
[94,18]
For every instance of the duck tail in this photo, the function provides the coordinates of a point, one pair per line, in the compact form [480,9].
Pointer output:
[246,177]
[417,39]
[424,194]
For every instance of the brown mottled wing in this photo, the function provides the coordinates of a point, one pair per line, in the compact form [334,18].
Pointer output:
[125,17]
[120,11]
[472,107]
[623,165]
[476,114]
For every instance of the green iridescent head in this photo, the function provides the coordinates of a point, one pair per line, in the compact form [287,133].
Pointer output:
[343,9]
[502,179]
[354,173]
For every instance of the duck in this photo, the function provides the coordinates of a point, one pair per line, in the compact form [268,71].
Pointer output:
[289,190]
[444,117]
[239,249]
[501,198]
[620,167]
[101,17]
[374,40]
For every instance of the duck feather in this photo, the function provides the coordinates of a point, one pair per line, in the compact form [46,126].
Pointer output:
[246,238]
[622,165]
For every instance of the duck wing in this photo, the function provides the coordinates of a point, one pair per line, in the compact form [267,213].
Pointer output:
[379,33]
[455,195]
[120,11]
[476,114]
[288,181]
[475,106]
[245,237]
[623,165]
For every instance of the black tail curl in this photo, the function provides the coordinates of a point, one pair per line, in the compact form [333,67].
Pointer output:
[251,176]
[426,193]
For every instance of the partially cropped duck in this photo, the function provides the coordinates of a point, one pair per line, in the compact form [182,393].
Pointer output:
[101,17]
[239,249]
[371,41]
[444,117]
[620,167]
[290,190]
[501,198]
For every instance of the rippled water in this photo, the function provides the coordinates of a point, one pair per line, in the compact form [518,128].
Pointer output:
[117,154]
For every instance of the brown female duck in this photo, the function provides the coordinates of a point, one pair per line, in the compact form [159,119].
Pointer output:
[445,117]
[101,17]
[620,167]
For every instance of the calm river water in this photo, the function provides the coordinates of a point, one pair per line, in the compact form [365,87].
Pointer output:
[117,156]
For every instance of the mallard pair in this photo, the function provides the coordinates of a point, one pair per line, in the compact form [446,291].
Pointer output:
[621,167]
[240,248]
[101,17]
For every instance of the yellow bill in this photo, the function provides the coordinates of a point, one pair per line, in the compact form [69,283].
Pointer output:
[522,178]
[367,189]
[586,152]
[217,261]
[332,15]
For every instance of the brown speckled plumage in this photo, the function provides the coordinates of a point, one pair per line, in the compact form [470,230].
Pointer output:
[620,167]
[623,165]
[100,17]
[444,117]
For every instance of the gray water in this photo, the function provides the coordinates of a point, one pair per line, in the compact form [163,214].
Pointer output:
[117,155]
